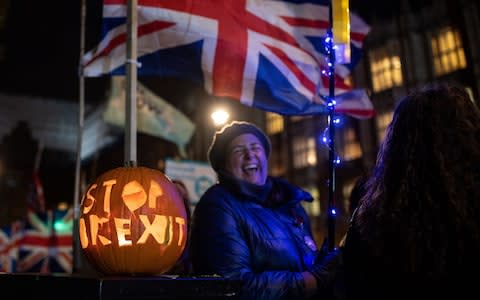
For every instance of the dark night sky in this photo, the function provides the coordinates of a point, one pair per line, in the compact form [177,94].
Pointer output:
[43,47]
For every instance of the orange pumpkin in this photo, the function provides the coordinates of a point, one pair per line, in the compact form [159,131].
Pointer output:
[132,222]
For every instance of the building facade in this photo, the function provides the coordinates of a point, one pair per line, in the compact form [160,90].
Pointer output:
[411,44]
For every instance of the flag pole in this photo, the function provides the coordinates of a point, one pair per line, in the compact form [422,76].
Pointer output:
[331,138]
[338,44]
[331,151]
[81,104]
[131,86]
[38,158]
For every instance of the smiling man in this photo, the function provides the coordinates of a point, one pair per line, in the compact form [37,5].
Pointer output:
[252,227]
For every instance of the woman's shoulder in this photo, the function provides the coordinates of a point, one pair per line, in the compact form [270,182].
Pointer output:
[216,196]
[293,192]
[214,193]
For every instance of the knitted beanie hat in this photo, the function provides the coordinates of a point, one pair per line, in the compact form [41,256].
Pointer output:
[218,148]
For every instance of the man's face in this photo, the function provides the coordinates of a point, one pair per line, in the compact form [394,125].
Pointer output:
[246,159]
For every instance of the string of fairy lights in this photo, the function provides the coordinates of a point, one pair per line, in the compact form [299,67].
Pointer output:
[337,47]
[330,100]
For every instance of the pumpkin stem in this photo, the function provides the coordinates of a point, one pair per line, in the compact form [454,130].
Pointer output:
[130,163]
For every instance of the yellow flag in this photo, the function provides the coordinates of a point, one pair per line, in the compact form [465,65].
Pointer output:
[341,30]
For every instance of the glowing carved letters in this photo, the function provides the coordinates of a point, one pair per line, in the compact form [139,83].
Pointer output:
[133,221]
[108,192]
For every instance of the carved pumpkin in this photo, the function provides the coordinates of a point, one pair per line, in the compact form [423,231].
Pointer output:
[132,222]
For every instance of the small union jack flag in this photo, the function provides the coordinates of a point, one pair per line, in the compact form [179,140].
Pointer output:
[46,246]
[268,54]
[10,237]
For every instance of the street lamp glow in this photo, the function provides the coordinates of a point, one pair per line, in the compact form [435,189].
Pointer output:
[220,117]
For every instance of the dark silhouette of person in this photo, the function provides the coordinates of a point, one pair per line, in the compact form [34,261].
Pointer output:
[416,232]
[183,266]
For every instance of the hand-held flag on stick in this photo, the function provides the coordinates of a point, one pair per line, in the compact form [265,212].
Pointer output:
[265,54]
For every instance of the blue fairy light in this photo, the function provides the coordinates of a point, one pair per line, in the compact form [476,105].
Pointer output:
[326,137]
[337,160]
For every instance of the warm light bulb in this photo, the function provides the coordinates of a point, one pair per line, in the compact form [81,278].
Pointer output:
[220,117]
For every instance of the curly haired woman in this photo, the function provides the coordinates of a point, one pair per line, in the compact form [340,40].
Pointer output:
[416,232]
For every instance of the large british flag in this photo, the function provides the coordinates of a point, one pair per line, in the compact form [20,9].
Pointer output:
[267,54]
[46,246]
[10,238]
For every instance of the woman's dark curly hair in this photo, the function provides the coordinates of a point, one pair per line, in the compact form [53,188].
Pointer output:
[421,209]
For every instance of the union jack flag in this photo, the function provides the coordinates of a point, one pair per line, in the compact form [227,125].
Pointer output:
[46,246]
[267,54]
[10,237]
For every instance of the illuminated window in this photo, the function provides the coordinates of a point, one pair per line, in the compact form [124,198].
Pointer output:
[277,169]
[448,54]
[386,69]
[304,152]
[352,149]
[346,192]
[276,163]
[299,118]
[383,119]
[274,123]
[313,208]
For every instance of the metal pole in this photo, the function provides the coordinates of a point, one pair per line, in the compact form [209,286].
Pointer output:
[131,85]
[331,131]
[76,194]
